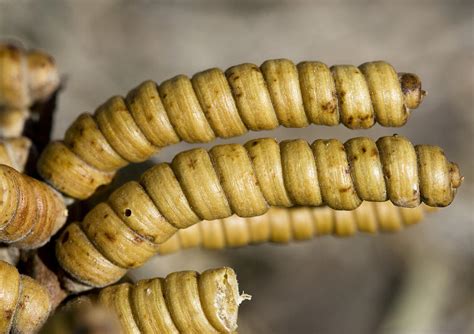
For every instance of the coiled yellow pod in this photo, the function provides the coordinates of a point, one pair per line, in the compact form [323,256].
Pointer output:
[217,104]
[281,225]
[14,152]
[26,76]
[30,211]
[183,302]
[24,303]
[124,232]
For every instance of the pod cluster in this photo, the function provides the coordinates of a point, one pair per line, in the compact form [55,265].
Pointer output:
[24,303]
[30,210]
[214,104]
[125,231]
[281,225]
[183,302]
[26,77]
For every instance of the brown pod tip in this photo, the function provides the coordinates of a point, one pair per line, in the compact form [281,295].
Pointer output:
[411,88]
[455,175]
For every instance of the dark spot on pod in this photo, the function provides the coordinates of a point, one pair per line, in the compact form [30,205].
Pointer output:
[8,314]
[192,163]
[343,190]
[364,149]
[409,82]
[65,237]
[254,143]
[128,213]
[109,236]
[106,215]
[137,239]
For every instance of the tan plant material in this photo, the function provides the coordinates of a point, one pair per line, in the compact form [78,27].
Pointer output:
[30,211]
[10,255]
[226,104]
[33,265]
[124,232]
[183,302]
[24,303]
[14,152]
[26,77]
[282,225]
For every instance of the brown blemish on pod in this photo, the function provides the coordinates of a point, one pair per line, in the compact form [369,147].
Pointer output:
[411,88]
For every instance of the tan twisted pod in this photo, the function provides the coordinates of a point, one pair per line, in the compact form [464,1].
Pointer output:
[198,185]
[30,211]
[183,302]
[281,225]
[24,303]
[14,152]
[217,104]
[26,76]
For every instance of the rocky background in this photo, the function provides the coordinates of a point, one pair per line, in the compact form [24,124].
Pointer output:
[418,281]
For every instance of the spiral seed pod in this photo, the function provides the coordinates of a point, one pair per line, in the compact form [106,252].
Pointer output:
[281,225]
[125,231]
[184,302]
[24,303]
[217,104]
[30,211]
[26,76]
[14,152]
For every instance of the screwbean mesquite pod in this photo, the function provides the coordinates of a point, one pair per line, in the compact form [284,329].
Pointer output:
[24,303]
[226,104]
[183,302]
[125,231]
[282,225]
[30,211]
[26,77]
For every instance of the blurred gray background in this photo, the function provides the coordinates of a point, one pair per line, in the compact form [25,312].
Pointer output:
[418,281]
